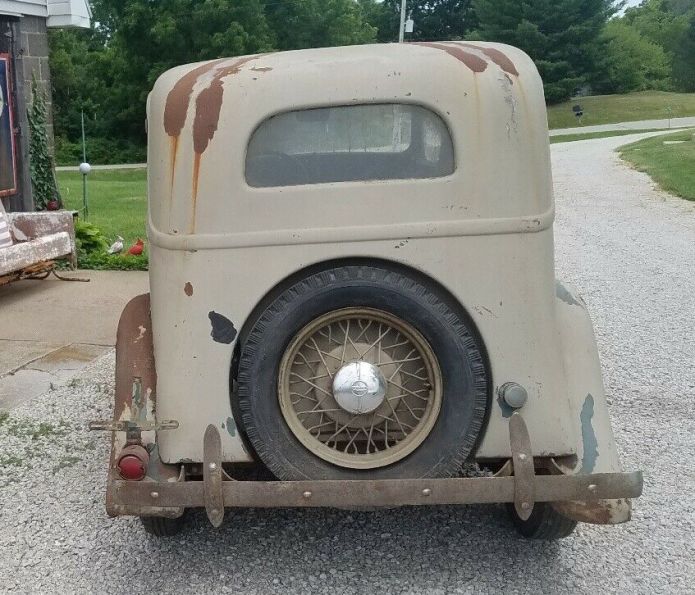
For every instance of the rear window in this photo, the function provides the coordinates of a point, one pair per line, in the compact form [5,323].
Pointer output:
[349,143]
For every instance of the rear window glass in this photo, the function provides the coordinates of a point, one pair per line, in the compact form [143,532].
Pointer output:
[349,143]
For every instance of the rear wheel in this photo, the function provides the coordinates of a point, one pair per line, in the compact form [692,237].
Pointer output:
[544,523]
[162,526]
[361,371]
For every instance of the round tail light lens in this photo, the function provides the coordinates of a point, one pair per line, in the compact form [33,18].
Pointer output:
[132,463]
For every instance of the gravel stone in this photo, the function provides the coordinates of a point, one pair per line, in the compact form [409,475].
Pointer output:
[627,247]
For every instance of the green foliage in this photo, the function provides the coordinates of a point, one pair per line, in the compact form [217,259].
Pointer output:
[669,24]
[100,261]
[684,58]
[434,19]
[43,181]
[100,151]
[117,206]
[89,238]
[631,62]
[318,23]
[563,37]
[671,165]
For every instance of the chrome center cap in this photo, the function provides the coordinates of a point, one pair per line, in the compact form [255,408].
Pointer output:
[359,387]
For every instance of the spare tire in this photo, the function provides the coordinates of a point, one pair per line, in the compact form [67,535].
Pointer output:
[362,372]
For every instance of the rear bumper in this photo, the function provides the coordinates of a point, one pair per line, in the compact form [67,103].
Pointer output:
[597,498]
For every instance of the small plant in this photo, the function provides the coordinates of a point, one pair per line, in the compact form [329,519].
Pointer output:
[90,239]
[43,181]
[113,262]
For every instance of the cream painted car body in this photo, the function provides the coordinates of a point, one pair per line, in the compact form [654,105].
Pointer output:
[485,233]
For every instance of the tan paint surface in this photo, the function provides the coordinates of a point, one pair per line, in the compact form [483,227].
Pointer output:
[484,232]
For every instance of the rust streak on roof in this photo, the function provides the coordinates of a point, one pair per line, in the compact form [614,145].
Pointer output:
[475,63]
[208,105]
[497,56]
[194,194]
[180,96]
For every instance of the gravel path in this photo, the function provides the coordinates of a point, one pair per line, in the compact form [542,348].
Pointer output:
[635,125]
[628,248]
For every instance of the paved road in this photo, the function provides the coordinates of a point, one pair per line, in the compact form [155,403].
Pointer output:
[628,248]
[639,125]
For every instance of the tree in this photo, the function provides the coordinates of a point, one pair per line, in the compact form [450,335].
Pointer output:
[563,37]
[684,59]
[318,23]
[631,62]
[434,19]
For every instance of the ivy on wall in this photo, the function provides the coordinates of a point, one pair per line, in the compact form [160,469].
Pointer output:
[43,181]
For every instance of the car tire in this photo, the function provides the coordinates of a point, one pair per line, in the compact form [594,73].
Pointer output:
[162,526]
[404,297]
[544,523]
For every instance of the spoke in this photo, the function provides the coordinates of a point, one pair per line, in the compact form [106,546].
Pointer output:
[364,330]
[410,410]
[316,386]
[398,361]
[411,375]
[378,339]
[347,334]
[352,439]
[410,392]
[305,379]
[315,410]
[321,353]
[325,365]
[320,425]
[401,364]
[353,418]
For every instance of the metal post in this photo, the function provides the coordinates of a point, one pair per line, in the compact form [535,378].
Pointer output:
[401,31]
[85,203]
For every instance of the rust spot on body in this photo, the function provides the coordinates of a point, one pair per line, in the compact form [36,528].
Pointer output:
[194,191]
[188,289]
[497,56]
[209,103]
[179,97]
[475,63]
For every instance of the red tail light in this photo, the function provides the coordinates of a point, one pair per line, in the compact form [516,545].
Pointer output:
[132,462]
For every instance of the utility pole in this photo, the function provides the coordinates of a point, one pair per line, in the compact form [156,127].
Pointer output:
[401,31]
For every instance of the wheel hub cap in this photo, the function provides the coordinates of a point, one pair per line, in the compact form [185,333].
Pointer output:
[359,387]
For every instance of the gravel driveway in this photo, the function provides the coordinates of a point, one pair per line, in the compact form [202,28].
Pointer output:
[631,252]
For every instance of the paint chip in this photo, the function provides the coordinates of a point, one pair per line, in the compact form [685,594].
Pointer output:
[188,289]
[223,330]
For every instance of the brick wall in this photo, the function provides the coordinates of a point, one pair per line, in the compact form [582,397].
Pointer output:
[26,40]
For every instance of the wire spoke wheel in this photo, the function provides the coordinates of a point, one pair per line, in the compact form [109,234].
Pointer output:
[360,388]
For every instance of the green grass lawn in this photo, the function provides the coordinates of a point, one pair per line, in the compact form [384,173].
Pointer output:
[672,166]
[607,109]
[117,200]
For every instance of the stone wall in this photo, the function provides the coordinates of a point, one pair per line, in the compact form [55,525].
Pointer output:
[26,39]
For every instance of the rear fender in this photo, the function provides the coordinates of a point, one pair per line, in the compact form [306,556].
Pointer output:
[135,359]
[596,450]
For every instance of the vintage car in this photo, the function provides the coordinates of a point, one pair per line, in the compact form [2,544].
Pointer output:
[353,297]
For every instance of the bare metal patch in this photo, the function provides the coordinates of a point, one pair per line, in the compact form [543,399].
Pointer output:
[563,293]
[223,330]
[588,436]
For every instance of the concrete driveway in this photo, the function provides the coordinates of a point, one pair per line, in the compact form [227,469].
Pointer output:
[51,329]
